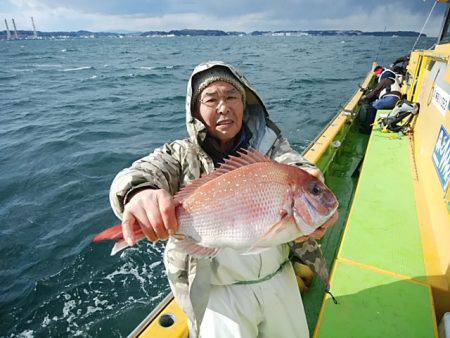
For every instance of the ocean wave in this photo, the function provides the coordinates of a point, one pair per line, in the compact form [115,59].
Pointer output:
[24,70]
[156,103]
[78,68]
[8,77]
[43,57]
[85,136]
[21,130]
[167,67]
[25,53]
[317,81]
[46,65]
[153,76]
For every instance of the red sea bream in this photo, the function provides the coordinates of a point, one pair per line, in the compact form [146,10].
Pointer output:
[249,203]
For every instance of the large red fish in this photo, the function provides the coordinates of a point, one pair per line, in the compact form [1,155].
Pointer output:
[250,203]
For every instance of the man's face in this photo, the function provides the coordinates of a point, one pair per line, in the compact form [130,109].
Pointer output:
[221,109]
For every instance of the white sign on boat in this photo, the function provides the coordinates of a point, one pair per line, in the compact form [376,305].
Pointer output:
[441,99]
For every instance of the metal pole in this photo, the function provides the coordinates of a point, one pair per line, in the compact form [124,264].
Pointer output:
[8,33]
[16,36]
[34,29]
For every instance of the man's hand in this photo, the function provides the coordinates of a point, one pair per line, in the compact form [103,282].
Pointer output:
[153,211]
[318,234]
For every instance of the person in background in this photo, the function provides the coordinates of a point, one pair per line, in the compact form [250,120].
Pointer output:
[399,66]
[384,96]
[230,295]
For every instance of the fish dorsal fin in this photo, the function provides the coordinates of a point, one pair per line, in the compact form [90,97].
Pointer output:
[246,157]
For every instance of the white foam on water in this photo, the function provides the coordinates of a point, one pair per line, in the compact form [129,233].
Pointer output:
[68,306]
[154,264]
[26,334]
[46,65]
[99,302]
[92,309]
[46,321]
[127,270]
[148,68]
[78,68]
[22,70]
[157,297]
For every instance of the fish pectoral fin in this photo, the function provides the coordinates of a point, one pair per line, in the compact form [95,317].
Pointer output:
[196,250]
[263,243]
[286,220]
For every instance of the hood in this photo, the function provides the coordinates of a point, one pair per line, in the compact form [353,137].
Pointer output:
[256,116]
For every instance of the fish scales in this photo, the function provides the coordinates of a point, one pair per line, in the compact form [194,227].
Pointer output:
[238,207]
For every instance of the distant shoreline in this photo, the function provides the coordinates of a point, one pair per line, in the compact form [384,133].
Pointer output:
[28,35]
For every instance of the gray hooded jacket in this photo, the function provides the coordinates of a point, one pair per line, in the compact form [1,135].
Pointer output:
[175,164]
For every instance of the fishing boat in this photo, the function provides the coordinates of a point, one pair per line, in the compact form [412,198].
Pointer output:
[390,249]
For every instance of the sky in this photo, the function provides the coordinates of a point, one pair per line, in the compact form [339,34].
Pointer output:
[228,15]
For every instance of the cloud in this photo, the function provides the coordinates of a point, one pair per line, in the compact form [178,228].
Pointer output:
[240,15]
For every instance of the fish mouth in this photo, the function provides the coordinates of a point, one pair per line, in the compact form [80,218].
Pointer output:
[304,228]
[317,218]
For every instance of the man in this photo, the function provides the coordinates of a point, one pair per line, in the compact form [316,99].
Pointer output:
[384,96]
[399,66]
[231,295]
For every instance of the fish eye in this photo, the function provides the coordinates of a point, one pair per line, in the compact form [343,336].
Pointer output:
[316,189]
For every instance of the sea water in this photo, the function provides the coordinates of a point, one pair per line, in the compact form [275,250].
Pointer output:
[73,113]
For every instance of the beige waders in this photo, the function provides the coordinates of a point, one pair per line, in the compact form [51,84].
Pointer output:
[271,307]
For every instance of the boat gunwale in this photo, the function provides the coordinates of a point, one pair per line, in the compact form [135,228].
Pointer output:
[152,315]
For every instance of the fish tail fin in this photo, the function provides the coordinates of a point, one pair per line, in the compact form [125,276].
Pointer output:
[122,244]
[119,246]
[114,232]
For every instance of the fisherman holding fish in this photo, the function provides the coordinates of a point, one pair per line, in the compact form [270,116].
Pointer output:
[225,291]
